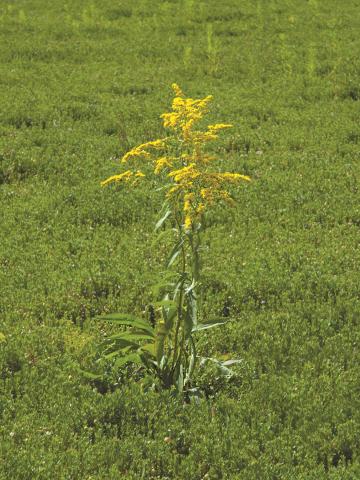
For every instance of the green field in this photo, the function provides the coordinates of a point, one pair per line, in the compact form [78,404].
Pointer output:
[81,83]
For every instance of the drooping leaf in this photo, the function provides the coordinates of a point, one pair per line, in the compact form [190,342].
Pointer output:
[162,219]
[231,362]
[90,375]
[132,358]
[131,337]
[180,379]
[169,315]
[188,321]
[191,310]
[150,348]
[222,366]
[162,235]
[127,320]
[167,280]
[120,343]
[115,353]
[160,337]
[206,326]
[183,277]
[165,303]
[175,252]
[191,287]
[192,361]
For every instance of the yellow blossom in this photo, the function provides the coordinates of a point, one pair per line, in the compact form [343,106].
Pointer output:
[140,151]
[117,178]
[187,222]
[192,181]
[185,174]
[232,177]
[188,199]
[200,208]
[177,90]
[170,119]
[178,103]
[219,126]
[173,190]
[161,163]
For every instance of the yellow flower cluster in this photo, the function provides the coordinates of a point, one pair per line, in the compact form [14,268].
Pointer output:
[125,176]
[185,113]
[140,150]
[192,183]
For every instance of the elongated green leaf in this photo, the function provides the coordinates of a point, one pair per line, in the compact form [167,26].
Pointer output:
[192,361]
[222,366]
[162,219]
[163,362]
[90,375]
[192,305]
[180,379]
[118,352]
[175,252]
[149,348]
[119,345]
[191,287]
[180,283]
[131,337]
[162,235]
[132,358]
[231,362]
[169,315]
[206,326]
[167,280]
[127,320]
[160,336]
[165,303]
[188,321]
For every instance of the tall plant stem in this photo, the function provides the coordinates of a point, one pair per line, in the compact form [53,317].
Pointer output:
[181,299]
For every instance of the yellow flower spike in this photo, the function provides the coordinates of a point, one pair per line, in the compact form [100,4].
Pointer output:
[185,174]
[203,103]
[232,177]
[219,126]
[202,137]
[186,129]
[139,174]
[117,178]
[173,190]
[170,119]
[158,144]
[187,223]
[162,163]
[200,208]
[134,152]
[178,103]
[188,199]
[177,90]
[224,195]
[206,193]
[140,151]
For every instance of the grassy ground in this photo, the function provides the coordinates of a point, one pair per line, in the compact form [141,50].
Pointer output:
[80,83]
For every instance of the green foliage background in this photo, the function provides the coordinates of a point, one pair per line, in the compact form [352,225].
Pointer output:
[81,82]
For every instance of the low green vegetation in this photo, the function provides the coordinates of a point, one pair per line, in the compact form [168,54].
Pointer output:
[81,84]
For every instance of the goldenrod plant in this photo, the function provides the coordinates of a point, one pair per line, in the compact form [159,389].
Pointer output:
[164,344]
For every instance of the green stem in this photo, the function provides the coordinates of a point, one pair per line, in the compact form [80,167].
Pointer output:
[181,300]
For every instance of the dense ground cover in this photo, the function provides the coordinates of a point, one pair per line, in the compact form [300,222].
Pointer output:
[82,82]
